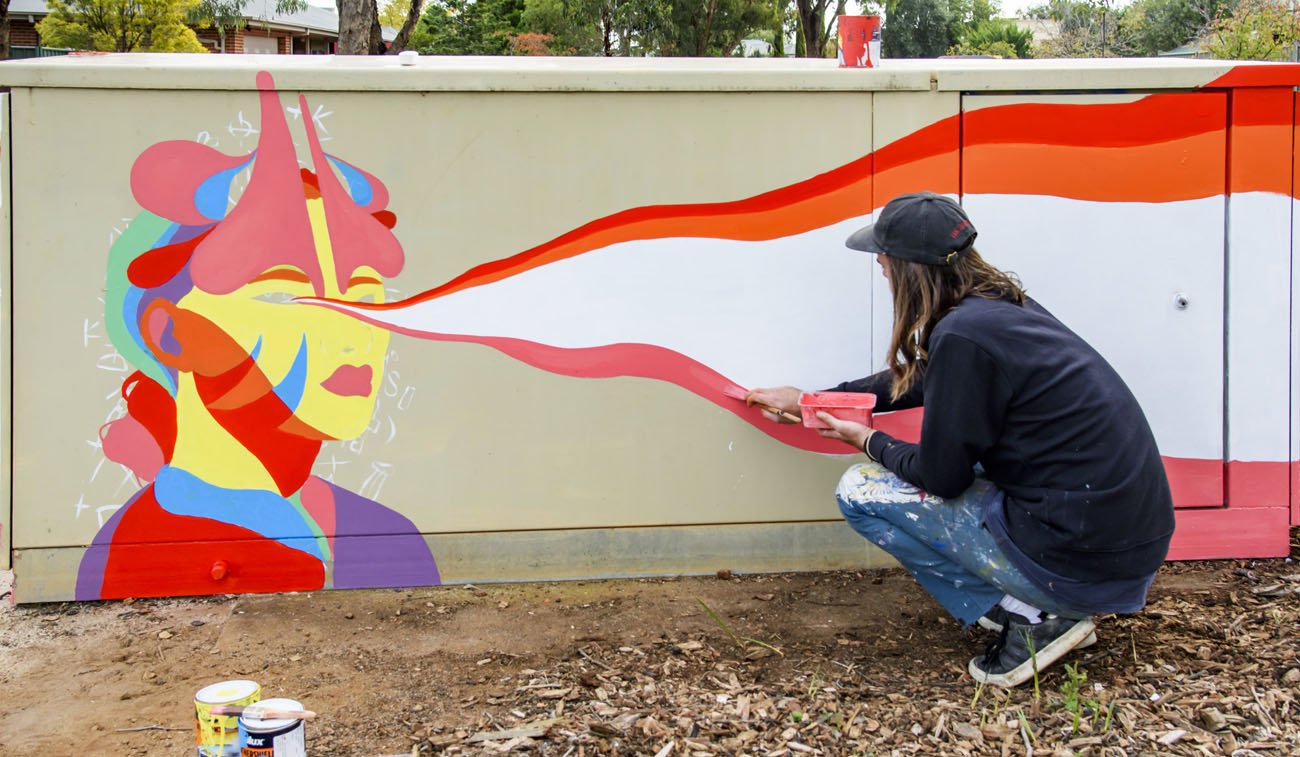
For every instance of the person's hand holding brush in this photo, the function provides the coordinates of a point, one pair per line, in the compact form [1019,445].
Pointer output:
[779,404]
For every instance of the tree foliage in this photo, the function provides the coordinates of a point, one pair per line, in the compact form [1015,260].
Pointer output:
[710,27]
[468,27]
[1256,30]
[120,26]
[600,27]
[1150,27]
[998,37]
[916,29]
[1142,28]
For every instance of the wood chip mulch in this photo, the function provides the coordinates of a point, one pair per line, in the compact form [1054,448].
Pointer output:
[1208,672]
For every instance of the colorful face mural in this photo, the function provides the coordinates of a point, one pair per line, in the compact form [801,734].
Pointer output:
[238,383]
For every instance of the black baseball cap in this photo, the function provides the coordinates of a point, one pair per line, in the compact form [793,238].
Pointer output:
[922,227]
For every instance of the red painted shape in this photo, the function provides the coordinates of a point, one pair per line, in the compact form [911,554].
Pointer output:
[154,407]
[1162,148]
[159,265]
[901,424]
[1258,484]
[1261,131]
[1149,121]
[1295,493]
[158,554]
[1195,482]
[1214,534]
[1258,75]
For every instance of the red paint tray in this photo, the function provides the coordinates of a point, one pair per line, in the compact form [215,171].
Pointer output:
[847,406]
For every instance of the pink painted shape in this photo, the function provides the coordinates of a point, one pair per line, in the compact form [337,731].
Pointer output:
[350,381]
[1258,484]
[357,237]
[128,442]
[269,225]
[641,360]
[1222,533]
[166,177]
[318,499]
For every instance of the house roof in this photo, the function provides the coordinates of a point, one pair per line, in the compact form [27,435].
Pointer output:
[259,13]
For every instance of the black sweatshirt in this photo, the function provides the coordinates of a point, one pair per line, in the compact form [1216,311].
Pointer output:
[1054,427]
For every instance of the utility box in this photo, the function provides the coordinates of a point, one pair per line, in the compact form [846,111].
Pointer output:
[282,324]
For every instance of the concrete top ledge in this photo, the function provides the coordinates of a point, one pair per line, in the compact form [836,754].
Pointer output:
[530,74]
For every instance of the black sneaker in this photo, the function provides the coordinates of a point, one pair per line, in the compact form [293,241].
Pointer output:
[1009,661]
[996,618]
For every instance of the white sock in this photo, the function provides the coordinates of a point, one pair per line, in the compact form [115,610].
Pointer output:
[1023,609]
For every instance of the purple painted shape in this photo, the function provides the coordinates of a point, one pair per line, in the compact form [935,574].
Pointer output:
[90,574]
[375,547]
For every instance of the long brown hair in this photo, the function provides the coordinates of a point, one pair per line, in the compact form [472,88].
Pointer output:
[924,294]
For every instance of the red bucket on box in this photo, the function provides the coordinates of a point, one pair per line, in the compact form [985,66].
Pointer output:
[859,38]
[847,406]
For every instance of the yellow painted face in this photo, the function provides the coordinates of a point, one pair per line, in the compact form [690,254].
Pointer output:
[325,365]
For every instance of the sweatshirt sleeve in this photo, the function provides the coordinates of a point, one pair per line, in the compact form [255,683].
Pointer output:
[966,399]
[880,384]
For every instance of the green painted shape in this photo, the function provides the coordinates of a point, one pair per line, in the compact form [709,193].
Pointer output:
[142,234]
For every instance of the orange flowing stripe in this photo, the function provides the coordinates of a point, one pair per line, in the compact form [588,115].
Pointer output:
[1182,169]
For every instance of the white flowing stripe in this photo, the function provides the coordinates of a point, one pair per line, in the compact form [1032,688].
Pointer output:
[798,309]
[1110,271]
[793,310]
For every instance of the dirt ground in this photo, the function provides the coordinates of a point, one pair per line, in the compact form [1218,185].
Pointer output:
[822,663]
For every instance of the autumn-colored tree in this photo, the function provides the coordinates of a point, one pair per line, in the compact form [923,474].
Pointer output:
[122,26]
[1256,30]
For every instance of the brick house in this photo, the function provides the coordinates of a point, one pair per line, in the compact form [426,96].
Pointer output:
[314,31]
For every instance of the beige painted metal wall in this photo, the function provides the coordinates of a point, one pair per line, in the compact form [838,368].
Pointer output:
[510,472]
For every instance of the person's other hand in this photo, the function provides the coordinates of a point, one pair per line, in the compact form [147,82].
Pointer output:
[853,434]
[779,398]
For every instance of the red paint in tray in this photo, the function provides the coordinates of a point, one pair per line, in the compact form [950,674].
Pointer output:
[847,406]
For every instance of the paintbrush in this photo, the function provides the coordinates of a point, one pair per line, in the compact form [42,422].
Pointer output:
[740,393]
[262,713]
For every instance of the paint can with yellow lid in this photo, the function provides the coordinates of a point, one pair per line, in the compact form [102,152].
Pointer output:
[218,735]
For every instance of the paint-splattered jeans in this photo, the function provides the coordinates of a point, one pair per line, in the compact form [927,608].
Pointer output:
[941,541]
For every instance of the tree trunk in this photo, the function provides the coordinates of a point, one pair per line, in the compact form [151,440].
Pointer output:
[4,29]
[811,13]
[358,26]
[778,41]
[408,26]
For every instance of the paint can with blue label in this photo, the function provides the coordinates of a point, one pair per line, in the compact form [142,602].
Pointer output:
[273,736]
[217,735]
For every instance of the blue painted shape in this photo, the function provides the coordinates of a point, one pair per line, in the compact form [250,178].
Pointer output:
[213,196]
[291,387]
[358,185]
[267,513]
[257,348]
